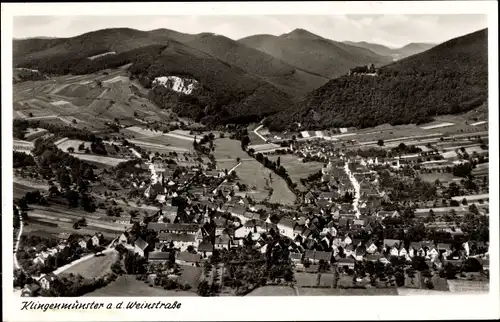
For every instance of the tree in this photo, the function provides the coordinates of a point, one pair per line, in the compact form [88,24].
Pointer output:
[204,289]
[450,271]
[380,142]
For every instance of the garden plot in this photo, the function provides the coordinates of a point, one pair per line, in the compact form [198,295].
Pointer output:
[127,285]
[65,145]
[296,168]
[159,147]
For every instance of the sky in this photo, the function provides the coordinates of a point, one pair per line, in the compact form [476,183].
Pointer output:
[390,30]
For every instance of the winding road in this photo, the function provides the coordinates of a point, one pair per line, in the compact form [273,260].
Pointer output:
[356,186]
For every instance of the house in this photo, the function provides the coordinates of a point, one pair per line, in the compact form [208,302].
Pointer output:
[159,256]
[286,226]
[403,252]
[346,263]
[315,256]
[394,250]
[82,243]
[139,246]
[223,242]
[46,280]
[186,258]
[182,228]
[388,214]
[444,248]
[371,248]
[39,260]
[349,250]
[358,223]
[95,240]
[416,249]
[432,251]
[180,241]
[30,290]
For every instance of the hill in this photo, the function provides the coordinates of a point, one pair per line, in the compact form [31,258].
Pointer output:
[395,53]
[449,78]
[224,94]
[413,48]
[237,84]
[314,54]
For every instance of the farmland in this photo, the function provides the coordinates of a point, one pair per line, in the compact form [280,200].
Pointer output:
[258,178]
[308,291]
[296,168]
[102,160]
[127,285]
[92,100]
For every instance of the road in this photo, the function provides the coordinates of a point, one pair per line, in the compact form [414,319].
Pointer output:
[355,184]
[18,240]
[258,134]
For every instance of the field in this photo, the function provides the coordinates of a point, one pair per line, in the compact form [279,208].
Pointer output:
[258,178]
[127,285]
[303,291]
[21,186]
[443,177]
[190,274]
[65,145]
[296,168]
[102,160]
[65,217]
[462,286]
[271,290]
[164,141]
[95,266]
[91,99]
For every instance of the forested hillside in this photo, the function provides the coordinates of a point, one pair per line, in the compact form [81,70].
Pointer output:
[449,78]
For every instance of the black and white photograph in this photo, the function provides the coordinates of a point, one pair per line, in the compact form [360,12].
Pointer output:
[259,155]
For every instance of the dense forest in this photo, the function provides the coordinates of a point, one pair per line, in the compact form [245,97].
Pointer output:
[227,94]
[448,79]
